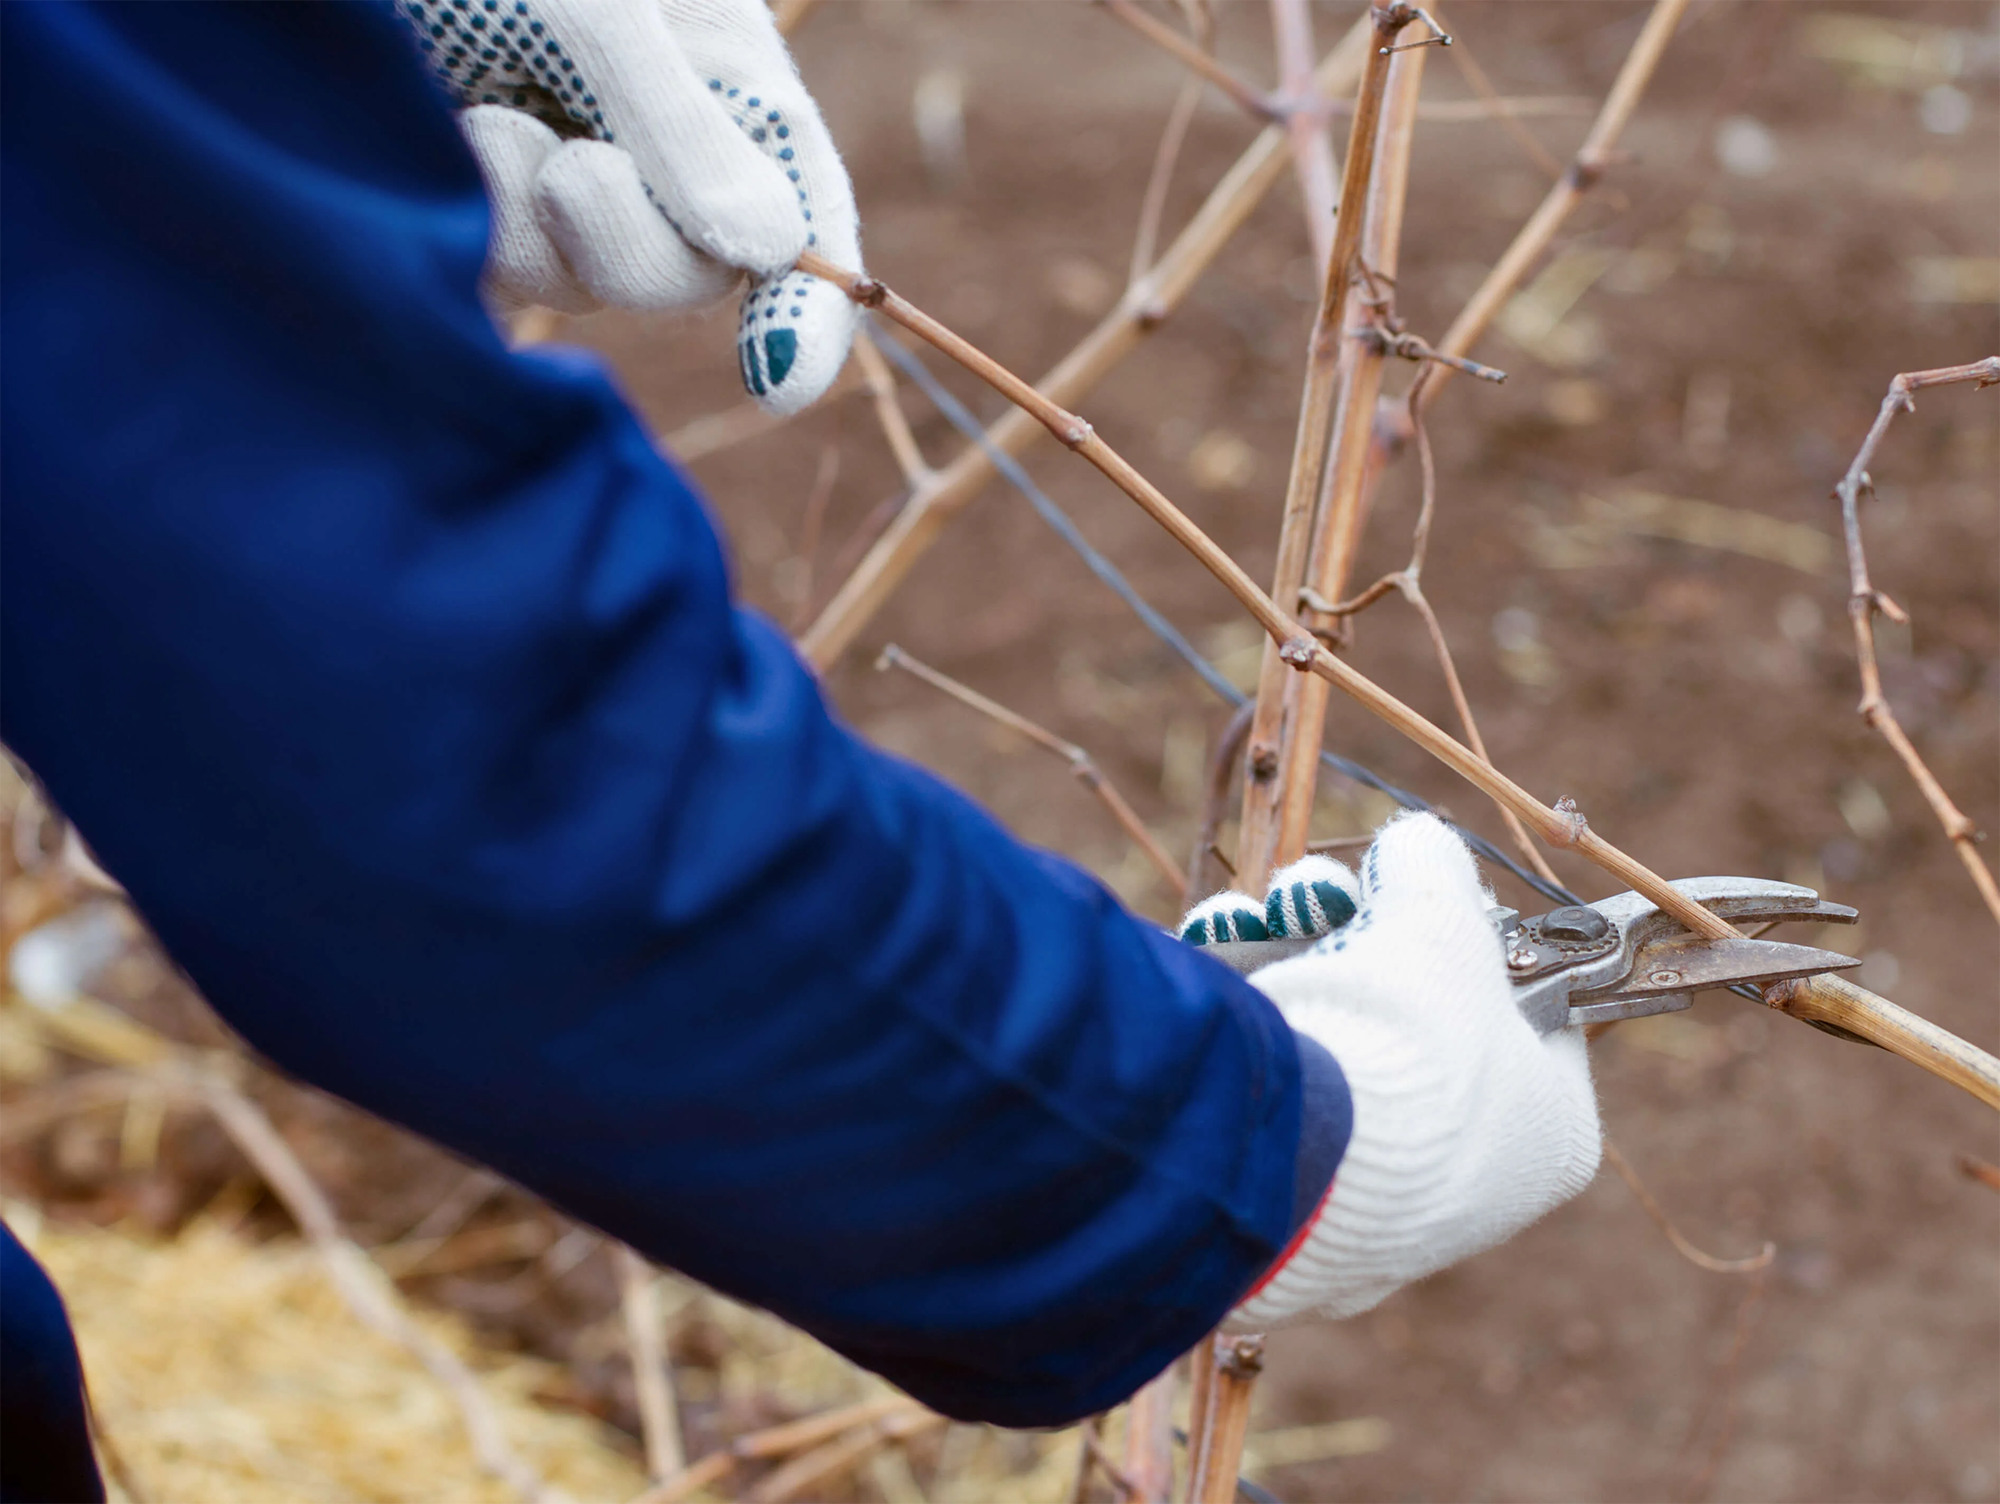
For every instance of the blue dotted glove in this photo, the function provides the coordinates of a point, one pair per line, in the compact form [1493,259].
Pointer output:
[1313,896]
[646,153]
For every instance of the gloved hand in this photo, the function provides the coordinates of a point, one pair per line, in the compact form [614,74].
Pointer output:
[1467,1125]
[647,152]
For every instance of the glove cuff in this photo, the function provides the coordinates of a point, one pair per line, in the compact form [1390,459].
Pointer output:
[1365,1238]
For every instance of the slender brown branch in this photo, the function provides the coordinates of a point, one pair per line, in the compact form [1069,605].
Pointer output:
[1469,111]
[1148,1459]
[716,431]
[1236,1363]
[1214,807]
[713,432]
[1864,601]
[1306,124]
[1561,827]
[1341,843]
[1409,582]
[652,1376]
[1194,56]
[1408,346]
[1687,1250]
[923,517]
[1094,1450]
[799,579]
[1080,762]
[1496,108]
[1153,204]
[1413,592]
[1318,534]
[881,381]
[1826,999]
[1584,170]
[1201,1406]
[1362,458]
[1854,1010]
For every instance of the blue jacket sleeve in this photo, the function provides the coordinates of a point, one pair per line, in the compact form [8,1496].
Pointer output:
[44,1433]
[398,679]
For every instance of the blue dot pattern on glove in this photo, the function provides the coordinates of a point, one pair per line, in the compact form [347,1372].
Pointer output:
[1301,909]
[1224,925]
[766,354]
[499,52]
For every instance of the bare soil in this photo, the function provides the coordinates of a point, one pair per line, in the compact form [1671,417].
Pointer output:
[1697,700]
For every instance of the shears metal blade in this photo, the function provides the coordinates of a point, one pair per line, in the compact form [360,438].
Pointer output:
[1622,957]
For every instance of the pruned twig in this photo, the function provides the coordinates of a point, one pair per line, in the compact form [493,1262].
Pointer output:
[1081,763]
[1864,601]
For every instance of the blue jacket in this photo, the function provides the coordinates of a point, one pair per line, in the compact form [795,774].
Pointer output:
[398,678]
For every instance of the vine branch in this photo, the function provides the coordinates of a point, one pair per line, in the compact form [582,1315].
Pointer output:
[1081,763]
[1826,999]
[1864,601]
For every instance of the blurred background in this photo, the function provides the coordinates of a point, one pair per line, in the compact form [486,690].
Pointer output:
[1637,564]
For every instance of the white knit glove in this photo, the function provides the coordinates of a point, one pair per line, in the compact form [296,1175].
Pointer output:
[1467,1125]
[645,153]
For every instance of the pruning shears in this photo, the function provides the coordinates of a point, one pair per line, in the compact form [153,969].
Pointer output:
[1621,957]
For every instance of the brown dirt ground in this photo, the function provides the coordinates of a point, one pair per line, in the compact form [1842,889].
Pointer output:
[1697,701]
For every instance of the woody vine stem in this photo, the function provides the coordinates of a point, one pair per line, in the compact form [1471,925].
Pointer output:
[1822,999]
[1864,602]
